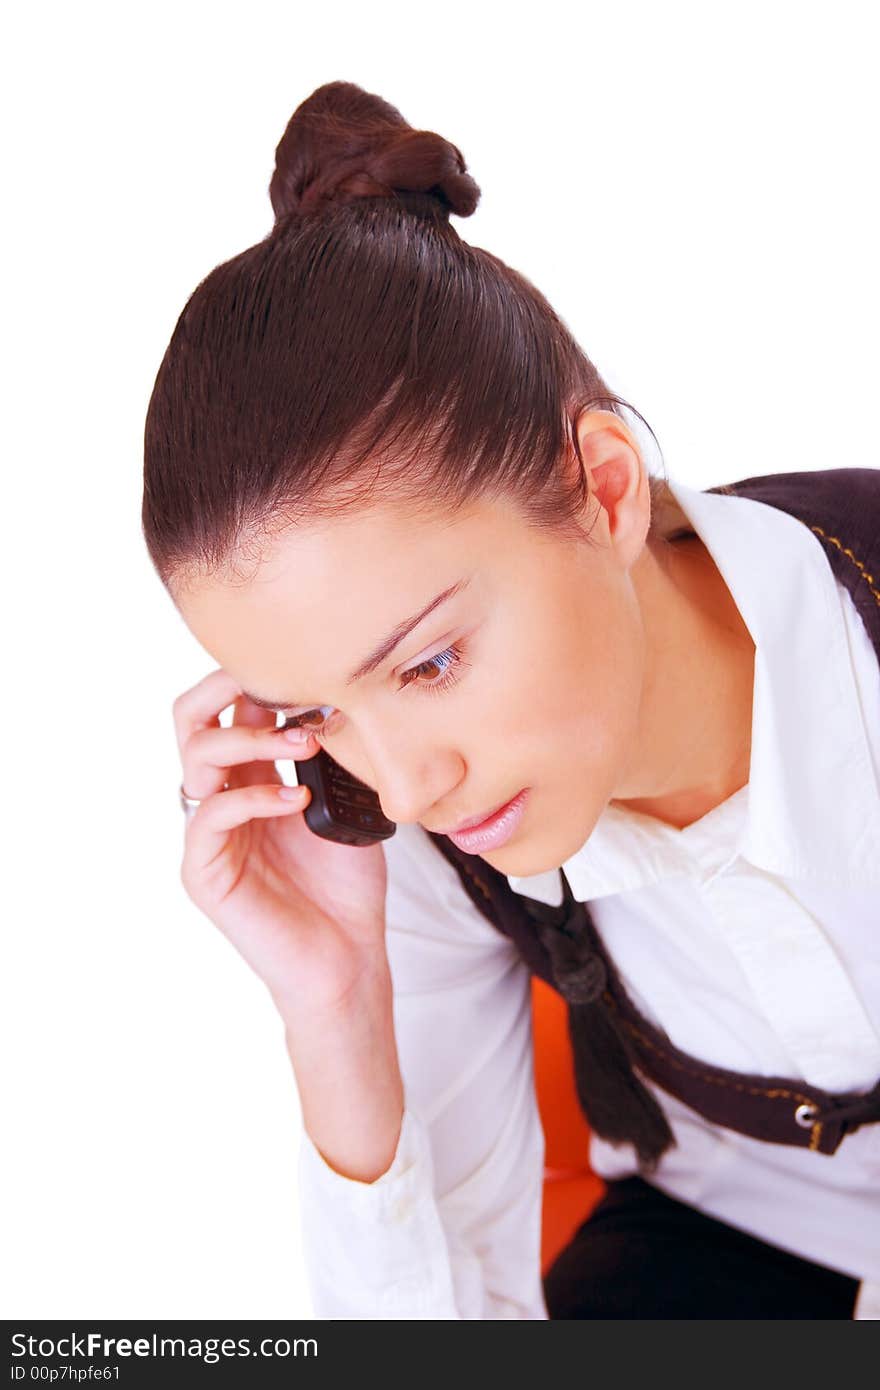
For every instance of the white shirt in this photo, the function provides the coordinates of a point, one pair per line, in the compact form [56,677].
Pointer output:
[752,937]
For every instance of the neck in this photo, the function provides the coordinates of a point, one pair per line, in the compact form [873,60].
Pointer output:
[694,742]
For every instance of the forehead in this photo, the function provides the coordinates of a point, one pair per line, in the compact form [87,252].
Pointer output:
[370,548]
[317,597]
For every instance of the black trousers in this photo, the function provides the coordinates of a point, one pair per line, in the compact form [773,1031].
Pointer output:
[642,1254]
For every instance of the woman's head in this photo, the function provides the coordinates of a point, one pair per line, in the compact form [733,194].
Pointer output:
[362,411]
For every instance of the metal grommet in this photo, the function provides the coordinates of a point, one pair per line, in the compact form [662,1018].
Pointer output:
[805,1116]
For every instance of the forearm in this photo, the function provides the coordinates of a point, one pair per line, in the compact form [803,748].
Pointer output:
[348,1077]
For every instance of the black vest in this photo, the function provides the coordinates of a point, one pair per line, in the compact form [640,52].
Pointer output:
[614,1045]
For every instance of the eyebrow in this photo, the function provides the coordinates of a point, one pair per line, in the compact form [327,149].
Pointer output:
[379,653]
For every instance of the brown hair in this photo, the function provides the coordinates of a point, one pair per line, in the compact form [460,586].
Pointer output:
[362,350]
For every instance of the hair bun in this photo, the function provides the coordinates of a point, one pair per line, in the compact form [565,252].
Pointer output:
[343,143]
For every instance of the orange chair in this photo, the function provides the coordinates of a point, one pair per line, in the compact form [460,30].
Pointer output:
[571,1189]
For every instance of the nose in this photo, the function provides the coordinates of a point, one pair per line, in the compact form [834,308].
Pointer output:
[410,779]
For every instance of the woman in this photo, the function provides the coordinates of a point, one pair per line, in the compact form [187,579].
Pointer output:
[378,469]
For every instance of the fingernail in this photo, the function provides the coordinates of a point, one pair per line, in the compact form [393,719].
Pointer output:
[297,735]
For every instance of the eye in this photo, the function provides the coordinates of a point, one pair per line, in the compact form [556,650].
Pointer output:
[446,665]
[312,720]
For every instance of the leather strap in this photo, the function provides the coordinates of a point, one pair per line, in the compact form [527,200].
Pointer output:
[775,1109]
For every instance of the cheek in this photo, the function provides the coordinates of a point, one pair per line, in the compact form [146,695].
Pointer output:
[584,689]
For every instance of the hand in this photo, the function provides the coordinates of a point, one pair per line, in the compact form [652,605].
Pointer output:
[307,914]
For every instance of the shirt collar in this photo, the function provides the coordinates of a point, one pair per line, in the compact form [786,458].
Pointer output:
[811,807]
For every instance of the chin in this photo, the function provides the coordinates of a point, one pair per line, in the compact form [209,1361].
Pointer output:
[526,854]
[519,860]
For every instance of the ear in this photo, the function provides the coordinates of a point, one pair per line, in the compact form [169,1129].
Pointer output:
[618,481]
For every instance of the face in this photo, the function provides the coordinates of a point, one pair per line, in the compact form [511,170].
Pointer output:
[528,675]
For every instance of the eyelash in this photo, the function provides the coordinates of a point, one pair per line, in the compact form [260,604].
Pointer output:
[453,655]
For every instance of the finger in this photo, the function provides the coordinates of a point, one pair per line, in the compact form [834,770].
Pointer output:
[202,704]
[209,827]
[237,756]
[245,714]
[244,711]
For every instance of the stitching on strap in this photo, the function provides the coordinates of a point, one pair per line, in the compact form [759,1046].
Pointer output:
[769,1092]
[845,550]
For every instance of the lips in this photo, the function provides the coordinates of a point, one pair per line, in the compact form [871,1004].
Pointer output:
[474,820]
[496,829]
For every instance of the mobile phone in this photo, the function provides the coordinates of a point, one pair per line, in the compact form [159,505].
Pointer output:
[341,807]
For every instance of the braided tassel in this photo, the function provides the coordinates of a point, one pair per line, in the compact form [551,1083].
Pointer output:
[617,1105]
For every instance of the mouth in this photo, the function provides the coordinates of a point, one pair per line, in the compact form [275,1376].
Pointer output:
[474,820]
[489,831]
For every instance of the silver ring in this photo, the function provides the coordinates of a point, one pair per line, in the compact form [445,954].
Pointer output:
[190,804]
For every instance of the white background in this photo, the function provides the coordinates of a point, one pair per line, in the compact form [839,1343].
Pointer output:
[693,186]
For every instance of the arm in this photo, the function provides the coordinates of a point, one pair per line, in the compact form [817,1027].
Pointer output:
[348,1076]
[451,1229]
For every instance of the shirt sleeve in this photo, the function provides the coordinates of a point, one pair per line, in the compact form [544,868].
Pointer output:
[452,1229]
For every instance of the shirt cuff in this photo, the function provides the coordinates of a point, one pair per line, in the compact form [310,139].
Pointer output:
[376,1249]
